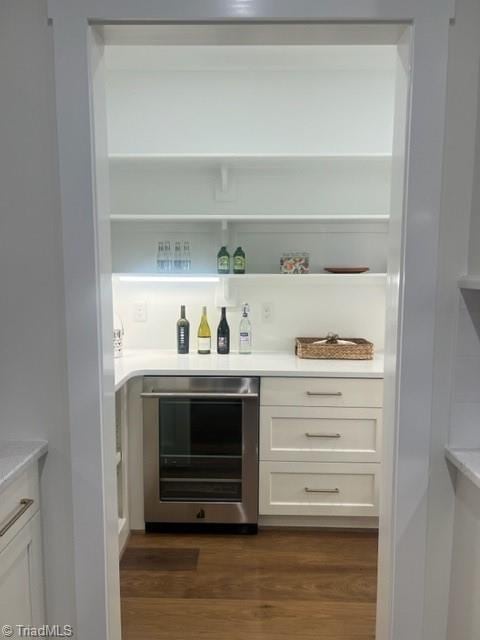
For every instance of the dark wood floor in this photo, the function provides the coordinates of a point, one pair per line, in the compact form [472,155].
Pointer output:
[278,585]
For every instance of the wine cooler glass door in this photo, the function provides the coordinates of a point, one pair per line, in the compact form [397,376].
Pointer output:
[200,449]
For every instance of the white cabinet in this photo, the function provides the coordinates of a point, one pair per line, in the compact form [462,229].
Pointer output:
[320,444]
[21,573]
[21,579]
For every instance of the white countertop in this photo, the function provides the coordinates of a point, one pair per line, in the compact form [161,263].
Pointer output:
[16,456]
[144,362]
[467,461]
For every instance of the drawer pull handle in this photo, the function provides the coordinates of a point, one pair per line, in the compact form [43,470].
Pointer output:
[25,503]
[323,435]
[307,490]
[337,394]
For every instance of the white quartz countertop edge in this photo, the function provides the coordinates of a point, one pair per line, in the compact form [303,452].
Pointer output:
[145,362]
[16,456]
[467,461]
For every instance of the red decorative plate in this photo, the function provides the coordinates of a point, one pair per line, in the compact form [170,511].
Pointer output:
[347,269]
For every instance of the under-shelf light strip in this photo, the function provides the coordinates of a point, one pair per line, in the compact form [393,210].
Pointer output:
[154,278]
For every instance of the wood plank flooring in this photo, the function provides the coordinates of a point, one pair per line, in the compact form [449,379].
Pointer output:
[278,585]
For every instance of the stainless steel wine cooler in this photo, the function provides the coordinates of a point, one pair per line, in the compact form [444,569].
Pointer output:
[200,451]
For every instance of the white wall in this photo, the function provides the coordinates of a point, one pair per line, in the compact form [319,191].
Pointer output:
[465,421]
[300,308]
[463,213]
[464,52]
[252,100]
[135,244]
[32,332]
[331,185]
[474,249]
[255,99]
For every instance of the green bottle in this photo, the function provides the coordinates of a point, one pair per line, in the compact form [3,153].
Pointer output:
[223,261]
[239,261]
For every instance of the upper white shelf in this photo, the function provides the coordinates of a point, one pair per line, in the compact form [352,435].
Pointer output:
[241,159]
[469,282]
[293,218]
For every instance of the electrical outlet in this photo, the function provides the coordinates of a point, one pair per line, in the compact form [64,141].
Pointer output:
[267,312]
[140,311]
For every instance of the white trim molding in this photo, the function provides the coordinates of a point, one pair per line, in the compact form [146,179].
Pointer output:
[412,283]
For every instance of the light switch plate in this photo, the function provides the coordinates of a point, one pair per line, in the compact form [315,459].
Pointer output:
[267,312]
[140,311]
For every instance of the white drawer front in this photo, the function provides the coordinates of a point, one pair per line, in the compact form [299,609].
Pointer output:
[323,434]
[293,488]
[21,497]
[322,392]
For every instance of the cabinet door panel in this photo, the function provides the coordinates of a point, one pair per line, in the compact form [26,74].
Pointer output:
[22,496]
[21,579]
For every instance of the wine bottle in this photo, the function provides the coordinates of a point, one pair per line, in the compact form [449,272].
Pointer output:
[239,261]
[204,334]
[223,261]
[223,334]
[183,332]
[245,330]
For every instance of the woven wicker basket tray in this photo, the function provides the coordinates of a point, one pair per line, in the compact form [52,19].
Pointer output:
[361,350]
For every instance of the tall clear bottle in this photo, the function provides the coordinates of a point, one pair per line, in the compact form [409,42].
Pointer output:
[187,261]
[168,262]
[204,334]
[245,331]
[160,257]
[177,258]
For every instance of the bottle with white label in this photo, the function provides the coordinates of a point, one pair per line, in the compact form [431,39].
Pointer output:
[223,334]
[245,331]
[183,332]
[204,334]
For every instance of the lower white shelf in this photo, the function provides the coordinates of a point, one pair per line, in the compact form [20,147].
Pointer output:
[319,278]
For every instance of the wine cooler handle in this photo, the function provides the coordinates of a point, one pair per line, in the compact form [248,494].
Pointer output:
[194,395]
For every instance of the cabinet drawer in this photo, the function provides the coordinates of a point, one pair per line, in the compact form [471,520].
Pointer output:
[306,488]
[323,434]
[16,507]
[322,392]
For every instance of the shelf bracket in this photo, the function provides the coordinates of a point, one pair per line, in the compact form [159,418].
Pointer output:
[223,297]
[225,187]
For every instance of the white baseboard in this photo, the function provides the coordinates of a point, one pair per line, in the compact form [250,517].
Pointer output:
[323,522]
